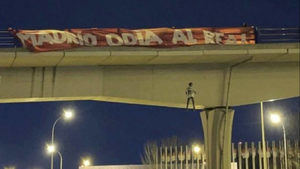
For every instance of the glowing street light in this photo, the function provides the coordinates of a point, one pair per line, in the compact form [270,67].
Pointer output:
[67,115]
[196,149]
[86,162]
[275,118]
[50,148]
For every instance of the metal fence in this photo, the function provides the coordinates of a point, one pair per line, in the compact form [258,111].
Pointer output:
[244,155]
[263,35]
[7,40]
[277,35]
[181,157]
[251,156]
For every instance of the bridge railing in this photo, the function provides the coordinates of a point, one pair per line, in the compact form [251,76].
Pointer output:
[277,35]
[263,35]
[7,40]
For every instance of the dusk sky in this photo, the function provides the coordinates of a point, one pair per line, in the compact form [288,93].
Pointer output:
[114,133]
[60,14]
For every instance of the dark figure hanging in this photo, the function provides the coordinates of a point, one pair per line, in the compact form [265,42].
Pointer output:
[190,94]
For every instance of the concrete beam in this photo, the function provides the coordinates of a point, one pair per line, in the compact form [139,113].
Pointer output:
[99,98]
[149,56]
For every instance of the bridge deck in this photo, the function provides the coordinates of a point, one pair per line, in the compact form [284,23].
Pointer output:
[19,57]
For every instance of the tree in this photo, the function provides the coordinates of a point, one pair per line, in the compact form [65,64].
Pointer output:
[150,156]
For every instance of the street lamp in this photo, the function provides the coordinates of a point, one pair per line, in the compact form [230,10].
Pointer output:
[86,162]
[275,118]
[52,149]
[196,149]
[67,115]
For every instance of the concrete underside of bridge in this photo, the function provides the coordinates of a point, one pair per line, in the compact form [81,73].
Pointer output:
[154,76]
[221,74]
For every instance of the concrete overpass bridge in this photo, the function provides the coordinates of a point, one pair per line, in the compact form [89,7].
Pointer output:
[269,71]
[222,76]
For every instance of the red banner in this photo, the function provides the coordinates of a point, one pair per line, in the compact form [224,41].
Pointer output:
[49,40]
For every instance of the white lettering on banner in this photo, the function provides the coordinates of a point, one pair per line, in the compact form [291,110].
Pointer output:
[71,38]
[191,39]
[59,38]
[56,38]
[23,38]
[219,37]
[129,39]
[243,38]
[80,39]
[44,38]
[180,36]
[33,40]
[216,38]
[231,40]
[89,39]
[110,37]
[209,37]
[152,37]
[140,37]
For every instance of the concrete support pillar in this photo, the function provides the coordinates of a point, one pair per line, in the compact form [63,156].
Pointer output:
[217,128]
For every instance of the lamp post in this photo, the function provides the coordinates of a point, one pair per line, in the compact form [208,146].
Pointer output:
[275,118]
[61,160]
[263,135]
[67,115]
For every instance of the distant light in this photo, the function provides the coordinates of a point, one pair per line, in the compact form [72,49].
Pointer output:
[275,118]
[10,167]
[196,149]
[51,148]
[86,162]
[68,114]
[271,100]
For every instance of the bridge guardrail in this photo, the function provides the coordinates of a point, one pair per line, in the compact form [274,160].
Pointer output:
[277,35]
[7,40]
